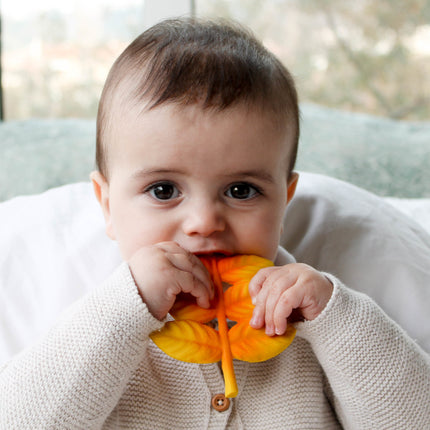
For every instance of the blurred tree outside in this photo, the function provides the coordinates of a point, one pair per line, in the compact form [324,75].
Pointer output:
[55,58]
[363,55]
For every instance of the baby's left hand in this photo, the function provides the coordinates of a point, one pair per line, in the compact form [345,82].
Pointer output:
[278,291]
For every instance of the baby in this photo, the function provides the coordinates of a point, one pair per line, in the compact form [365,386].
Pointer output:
[196,146]
[197,136]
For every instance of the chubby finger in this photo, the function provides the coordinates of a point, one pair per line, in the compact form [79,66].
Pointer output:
[273,282]
[255,291]
[276,285]
[276,288]
[186,282]
[188,262]
[288,300]
[260,287]
[257,282]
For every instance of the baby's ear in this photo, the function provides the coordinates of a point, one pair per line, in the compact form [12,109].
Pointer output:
[292,184]
[98,181]
[101,190]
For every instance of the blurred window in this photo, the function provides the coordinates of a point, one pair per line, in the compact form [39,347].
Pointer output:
[367,56]
[56,54]
[364,55]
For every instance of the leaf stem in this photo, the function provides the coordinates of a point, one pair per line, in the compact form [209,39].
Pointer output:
[231,389]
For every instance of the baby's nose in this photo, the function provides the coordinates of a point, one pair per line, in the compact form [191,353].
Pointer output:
[204,219]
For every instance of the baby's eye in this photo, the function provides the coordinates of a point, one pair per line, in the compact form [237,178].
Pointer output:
[242,191]
[163,191]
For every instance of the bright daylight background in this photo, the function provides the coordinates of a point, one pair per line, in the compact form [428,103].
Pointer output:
[357,55]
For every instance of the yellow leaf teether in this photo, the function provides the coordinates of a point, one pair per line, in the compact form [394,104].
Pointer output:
[189,339]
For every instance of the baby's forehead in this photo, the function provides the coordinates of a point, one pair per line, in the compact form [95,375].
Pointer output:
[151,128]
[172,115]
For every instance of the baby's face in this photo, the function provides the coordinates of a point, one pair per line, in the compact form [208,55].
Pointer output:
[214,182]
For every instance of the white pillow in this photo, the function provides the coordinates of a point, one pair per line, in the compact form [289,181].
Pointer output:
[53,249]
[418,209]
[367,243]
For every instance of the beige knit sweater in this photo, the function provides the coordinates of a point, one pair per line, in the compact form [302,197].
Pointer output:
[352,367]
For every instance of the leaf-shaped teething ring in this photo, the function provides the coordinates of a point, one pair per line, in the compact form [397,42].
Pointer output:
[189,339]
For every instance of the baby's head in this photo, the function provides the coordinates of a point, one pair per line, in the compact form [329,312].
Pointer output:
[197,135]
[187,61]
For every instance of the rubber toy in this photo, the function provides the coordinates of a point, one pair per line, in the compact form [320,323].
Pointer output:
[191,338]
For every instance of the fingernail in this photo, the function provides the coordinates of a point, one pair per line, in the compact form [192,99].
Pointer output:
[254,322]
[269,331]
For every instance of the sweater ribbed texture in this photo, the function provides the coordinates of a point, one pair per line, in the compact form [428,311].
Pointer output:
[351,368]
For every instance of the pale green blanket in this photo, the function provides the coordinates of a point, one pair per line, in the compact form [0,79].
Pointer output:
[389,158]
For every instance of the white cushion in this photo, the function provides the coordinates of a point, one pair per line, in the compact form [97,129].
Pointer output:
[53,249]
[367,243]
[418,209]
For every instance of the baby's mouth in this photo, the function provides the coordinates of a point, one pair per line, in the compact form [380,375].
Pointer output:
[217,254]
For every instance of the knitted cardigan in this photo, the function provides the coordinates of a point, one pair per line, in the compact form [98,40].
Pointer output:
[352,367]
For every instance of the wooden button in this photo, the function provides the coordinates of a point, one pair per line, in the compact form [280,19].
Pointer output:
[220,403]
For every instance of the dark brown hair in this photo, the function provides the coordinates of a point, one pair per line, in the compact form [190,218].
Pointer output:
[184,61]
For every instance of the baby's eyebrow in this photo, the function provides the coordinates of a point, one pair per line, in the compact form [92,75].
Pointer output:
[147,172]
[256,174]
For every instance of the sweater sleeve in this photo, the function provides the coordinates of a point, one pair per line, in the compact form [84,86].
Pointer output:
[74,377]
[378,376]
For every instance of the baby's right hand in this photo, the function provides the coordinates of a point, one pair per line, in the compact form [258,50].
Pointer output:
[164,270]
